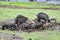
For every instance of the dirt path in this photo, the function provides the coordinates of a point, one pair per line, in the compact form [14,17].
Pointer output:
[20,7]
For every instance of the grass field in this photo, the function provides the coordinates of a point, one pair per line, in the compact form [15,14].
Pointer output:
[44,35]
[6,13]
[9,13]
[30,4]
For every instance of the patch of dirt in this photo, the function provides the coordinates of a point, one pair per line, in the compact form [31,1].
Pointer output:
[21,7]
[16,7]
[51,8]
[7,20]
[57,27]
[18,37]
[10,36]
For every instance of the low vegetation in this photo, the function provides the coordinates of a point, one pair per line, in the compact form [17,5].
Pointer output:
[30,4]
[6,13]
[42,35]
[9,13]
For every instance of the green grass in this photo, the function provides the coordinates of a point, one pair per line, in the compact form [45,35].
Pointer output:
[6,13]
[43,35]
[30,4]
[6,32]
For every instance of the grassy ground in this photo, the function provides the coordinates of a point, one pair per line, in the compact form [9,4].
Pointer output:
[6,13]
[30,4]
[44,35]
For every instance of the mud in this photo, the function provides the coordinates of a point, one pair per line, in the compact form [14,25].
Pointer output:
[5,36]
[10,36]
[55,27]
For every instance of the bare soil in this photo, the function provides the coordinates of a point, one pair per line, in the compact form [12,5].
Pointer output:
[10,36]
[51,8]
[57,27]
[14,36]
